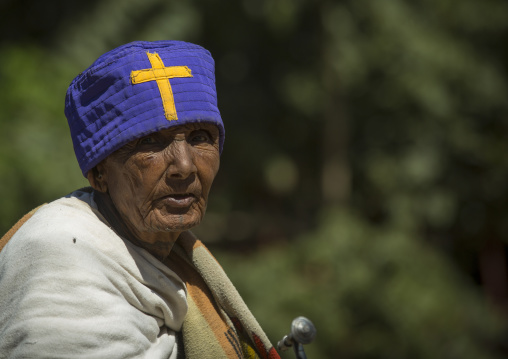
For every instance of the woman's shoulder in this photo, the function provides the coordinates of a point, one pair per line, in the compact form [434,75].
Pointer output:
[65,218]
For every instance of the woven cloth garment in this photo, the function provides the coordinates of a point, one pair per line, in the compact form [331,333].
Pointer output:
[137,89]
[216,324]
[70,287]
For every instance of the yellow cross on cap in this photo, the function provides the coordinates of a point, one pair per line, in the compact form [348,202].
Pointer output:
[161,75]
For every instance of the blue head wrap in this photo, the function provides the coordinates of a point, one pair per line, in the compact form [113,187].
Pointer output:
[137,89]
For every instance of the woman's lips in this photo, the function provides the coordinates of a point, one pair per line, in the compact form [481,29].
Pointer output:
[179,200]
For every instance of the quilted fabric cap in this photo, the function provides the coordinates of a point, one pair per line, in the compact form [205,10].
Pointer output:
[137,89]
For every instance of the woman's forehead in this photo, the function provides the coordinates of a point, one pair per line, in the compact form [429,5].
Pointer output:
[168,133]
[188,127]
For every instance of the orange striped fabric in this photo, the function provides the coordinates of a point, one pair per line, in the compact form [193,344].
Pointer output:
[218,324]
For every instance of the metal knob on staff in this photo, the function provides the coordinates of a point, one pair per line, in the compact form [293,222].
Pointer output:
[302,332]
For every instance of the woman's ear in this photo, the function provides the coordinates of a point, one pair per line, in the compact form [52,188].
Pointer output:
[97,178]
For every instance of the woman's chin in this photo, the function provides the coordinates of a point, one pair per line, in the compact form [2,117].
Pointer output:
[175,222]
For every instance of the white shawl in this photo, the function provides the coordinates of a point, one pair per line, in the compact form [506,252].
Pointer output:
[71,288]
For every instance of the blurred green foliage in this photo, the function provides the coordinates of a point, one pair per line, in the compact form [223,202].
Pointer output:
[372,293]
[364,170]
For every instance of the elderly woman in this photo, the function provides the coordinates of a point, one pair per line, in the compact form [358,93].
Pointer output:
[112,270]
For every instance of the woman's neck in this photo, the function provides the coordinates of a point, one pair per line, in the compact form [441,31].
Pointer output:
[157,244]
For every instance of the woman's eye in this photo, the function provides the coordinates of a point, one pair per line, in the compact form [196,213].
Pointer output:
[200,136]
[148,140]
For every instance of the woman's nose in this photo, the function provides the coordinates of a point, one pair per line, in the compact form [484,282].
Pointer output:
[180,159]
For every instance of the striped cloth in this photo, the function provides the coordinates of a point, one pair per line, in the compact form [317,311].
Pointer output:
[218,324]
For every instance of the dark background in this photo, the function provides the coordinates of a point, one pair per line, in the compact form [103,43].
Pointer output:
[363,182]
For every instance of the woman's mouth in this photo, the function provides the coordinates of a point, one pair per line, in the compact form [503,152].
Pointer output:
[182,200]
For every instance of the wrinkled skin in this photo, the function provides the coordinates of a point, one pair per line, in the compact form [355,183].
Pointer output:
[159,184]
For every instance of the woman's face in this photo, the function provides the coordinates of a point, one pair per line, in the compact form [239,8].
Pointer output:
[161,182]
